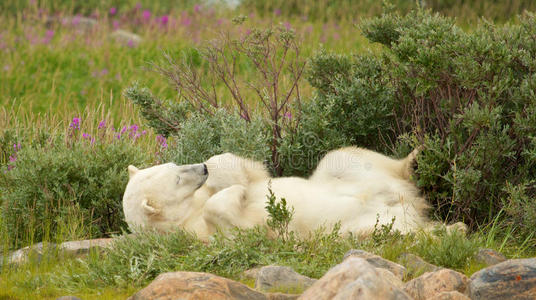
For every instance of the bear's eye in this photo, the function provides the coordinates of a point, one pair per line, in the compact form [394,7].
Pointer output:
[178,179]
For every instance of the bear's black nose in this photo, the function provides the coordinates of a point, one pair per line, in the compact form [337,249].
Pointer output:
[205,170]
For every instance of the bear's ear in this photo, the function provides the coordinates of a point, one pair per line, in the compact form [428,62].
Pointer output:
[132,171]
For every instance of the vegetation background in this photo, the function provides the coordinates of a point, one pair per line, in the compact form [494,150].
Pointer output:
[80,101]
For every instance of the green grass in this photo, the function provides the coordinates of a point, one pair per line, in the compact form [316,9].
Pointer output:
[135,261]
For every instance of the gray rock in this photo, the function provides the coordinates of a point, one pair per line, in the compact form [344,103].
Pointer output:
[126,38]
[79,248]
[277,278]
[416,265]
[354,278]
[84,23]
[378,262]
[489,257]
[431,284]
[512,279]
[36,252]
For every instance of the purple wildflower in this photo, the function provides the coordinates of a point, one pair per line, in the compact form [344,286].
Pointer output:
[197,8]
[287,25]
[288,115]
[164,20]
[76,20]
[6,68]
[124,129]
[104,72]
[115,24]
[133,131]
[186,21]
[102,124]
[161,141]
[75,124]
[86,135]
[49,34]
[146,15]
[113,11]
[13,158]
[130,44]
[277,12]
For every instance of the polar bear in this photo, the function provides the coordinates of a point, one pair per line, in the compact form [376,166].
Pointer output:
[351,186]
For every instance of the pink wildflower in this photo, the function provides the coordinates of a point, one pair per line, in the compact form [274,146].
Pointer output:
[161,141]
[146,15]
[102,124]
[75,124]
[164,20]
[113,11]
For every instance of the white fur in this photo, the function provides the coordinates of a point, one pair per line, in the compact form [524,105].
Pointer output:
[352,186]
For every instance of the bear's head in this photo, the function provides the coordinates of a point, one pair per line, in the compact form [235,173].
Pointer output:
[160,196]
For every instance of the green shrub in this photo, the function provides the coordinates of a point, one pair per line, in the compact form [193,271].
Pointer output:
[72,180]
[468,96]
[204,135]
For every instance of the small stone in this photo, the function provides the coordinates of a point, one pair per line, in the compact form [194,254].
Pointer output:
[512,279]
[415,264]
[126,38]
[68,298]
[79,248]
[36,252]
[378,262]
[277,278]
[453,295]
[432,283]
[354,278]
[489,257]
[78,21]
[194,285]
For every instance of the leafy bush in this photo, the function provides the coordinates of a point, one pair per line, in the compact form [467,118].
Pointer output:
[71,180]
[202,136]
